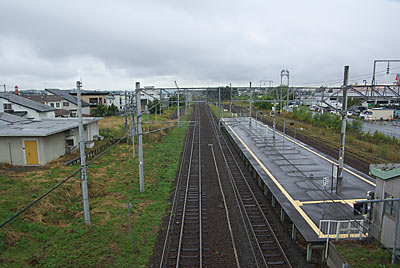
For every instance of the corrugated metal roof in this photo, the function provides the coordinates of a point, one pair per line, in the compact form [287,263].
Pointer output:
[43,127]
[10,118]
[26,102]
[65,94]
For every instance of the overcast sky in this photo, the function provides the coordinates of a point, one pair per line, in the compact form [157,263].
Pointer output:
[112,44]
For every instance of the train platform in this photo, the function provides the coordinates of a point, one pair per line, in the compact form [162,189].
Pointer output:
[300,179]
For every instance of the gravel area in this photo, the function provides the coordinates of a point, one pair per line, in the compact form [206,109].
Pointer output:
[221,252]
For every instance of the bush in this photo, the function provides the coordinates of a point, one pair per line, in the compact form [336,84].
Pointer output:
[356,125]
[264,105]
[103,110]
[153,106]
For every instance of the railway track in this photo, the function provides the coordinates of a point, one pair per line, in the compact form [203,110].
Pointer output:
[185,244]
[265,245]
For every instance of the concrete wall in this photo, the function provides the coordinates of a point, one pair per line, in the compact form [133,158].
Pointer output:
[51,147]
[384,221]
[44,115]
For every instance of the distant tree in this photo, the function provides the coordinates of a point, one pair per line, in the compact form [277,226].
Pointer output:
[100,110]
[103,110]
[173,99]
[112,109]
[152,106]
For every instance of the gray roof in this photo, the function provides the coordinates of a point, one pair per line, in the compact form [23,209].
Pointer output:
[26,102]
[65,94]
[10,118]
[44,97]
[42,128]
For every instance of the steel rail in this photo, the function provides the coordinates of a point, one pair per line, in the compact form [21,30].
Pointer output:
[174,202]
[247,189]
[193,194]
[216,132]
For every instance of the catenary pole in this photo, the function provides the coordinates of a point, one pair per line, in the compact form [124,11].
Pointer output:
[344,122]
[251,102]
[85,195]
[179,112]
[219,108]
[133,126]
[230,106]
[126,118]
[140,135]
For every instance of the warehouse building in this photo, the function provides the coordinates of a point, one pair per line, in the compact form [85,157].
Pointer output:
[33,142]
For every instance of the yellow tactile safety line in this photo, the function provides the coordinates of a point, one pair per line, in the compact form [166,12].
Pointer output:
[287,195]
[343,201]
[296,203]
[323,157]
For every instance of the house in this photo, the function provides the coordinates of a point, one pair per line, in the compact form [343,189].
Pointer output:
[68,103]
[18,105]
[93,97]
[54,101]
[384,214]
[119,99]
[31,142]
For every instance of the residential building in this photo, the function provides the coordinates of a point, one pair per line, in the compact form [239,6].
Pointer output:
[18,105]
[69,103]
[118,99]
[93,97]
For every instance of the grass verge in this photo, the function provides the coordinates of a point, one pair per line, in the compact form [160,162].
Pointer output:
[52,232]
[364,254]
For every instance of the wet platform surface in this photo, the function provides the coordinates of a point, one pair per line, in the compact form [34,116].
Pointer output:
[294,173]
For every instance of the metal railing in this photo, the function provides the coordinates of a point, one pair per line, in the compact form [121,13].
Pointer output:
[343,229]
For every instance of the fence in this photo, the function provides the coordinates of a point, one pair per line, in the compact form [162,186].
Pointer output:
[343,229]
[92,153]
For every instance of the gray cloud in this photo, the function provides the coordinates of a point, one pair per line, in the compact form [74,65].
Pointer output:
[113,43]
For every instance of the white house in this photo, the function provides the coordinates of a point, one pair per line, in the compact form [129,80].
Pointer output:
[69,102]
[118,99]
[15,104]
[32,143]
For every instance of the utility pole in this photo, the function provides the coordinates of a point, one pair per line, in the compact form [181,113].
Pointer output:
[140,135]
[251,100]
[179,115]
[85,195]
[5,89]
[344,119]
[219,108]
